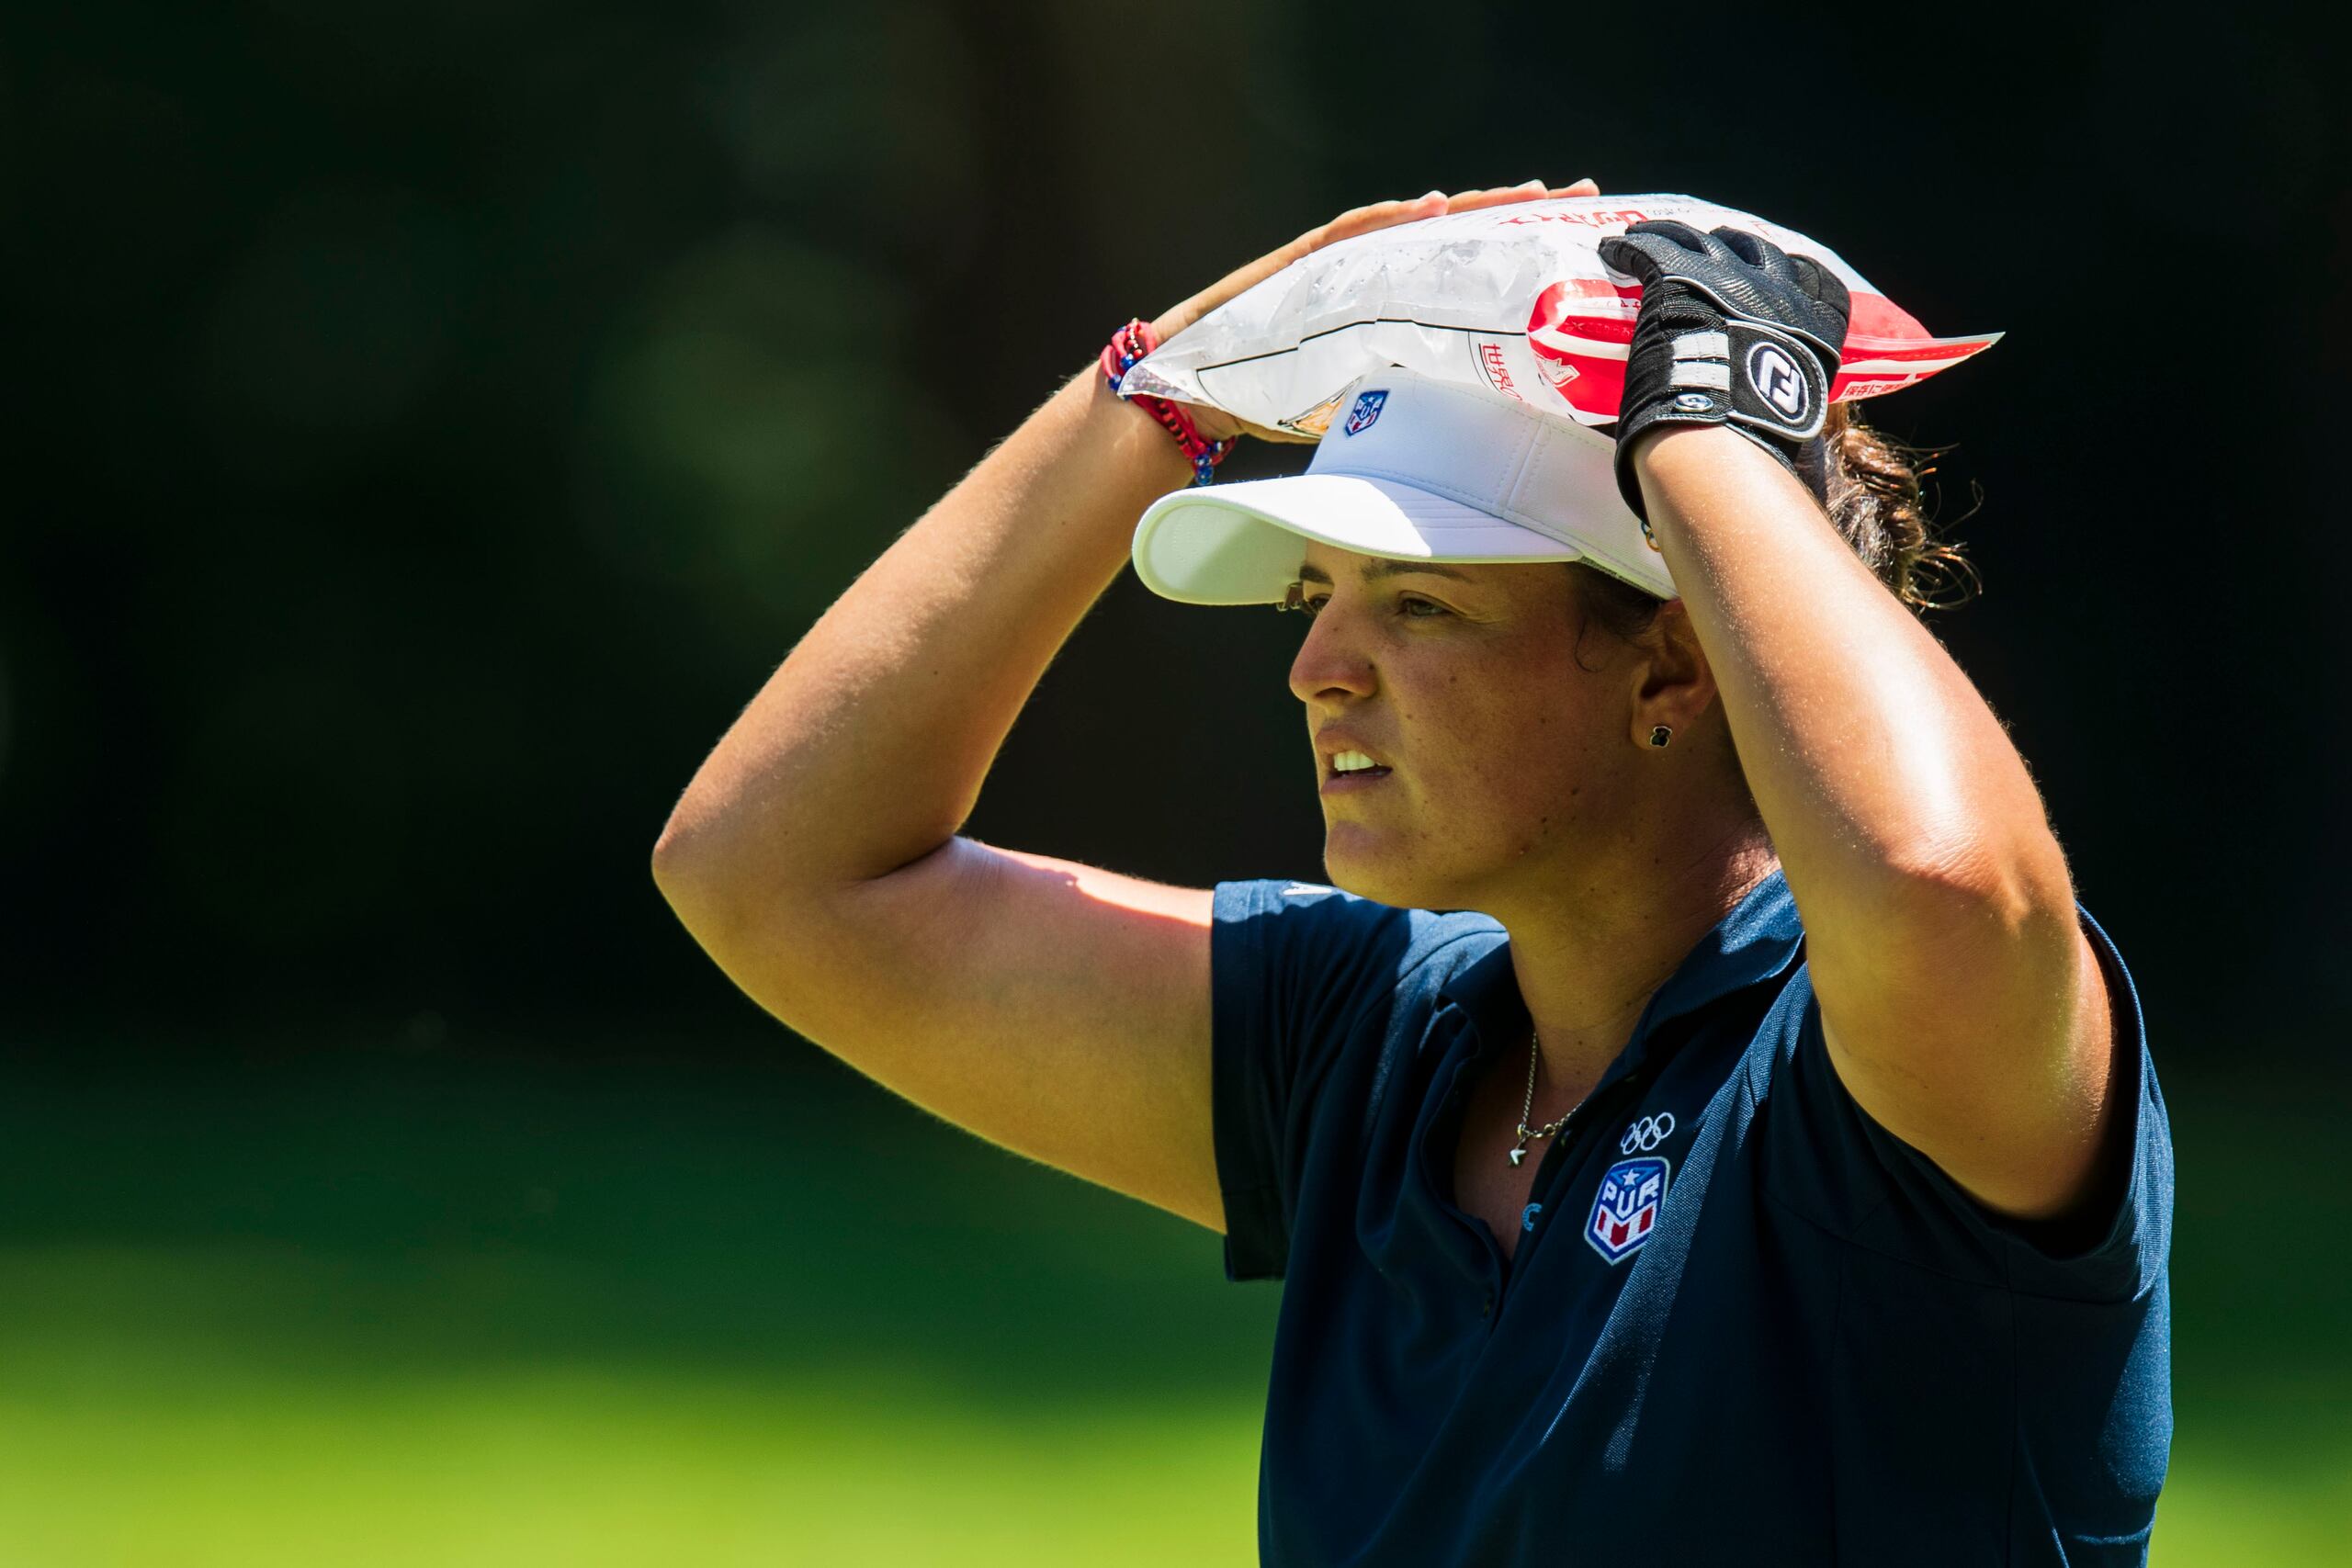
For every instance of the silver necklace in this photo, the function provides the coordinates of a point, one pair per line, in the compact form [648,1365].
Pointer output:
[1535,1049]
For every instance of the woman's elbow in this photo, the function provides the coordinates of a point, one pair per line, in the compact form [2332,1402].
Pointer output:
[2020,886]
[689,869]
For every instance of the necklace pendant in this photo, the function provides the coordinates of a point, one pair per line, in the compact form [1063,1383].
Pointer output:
[1518,1154]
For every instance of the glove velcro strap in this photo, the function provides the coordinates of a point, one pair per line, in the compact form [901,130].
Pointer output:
[1752,374]
[1701,361]
[1765,383]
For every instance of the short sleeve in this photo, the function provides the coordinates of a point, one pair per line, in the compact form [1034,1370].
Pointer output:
[1293,969]
[1834,1161]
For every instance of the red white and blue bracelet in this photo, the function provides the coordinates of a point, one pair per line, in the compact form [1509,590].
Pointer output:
[1130,344]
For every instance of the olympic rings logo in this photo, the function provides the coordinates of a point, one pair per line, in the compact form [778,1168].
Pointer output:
[1647,1134]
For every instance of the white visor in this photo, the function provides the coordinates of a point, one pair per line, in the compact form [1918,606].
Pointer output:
[1412,469]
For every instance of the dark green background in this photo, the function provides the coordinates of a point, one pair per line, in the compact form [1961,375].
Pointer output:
[430,422]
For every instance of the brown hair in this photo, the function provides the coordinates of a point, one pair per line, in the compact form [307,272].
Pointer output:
[1876,503]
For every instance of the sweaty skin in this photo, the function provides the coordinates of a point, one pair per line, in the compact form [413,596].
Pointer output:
[1514,789]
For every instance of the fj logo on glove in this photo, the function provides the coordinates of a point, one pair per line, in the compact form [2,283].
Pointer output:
[1777,378]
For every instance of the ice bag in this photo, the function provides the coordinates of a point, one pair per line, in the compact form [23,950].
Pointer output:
[1513,297]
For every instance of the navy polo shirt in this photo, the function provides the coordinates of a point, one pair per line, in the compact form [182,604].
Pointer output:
[1745,1322]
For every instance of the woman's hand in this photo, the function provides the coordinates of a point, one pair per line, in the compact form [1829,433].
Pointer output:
[1733,330]
[1218,424]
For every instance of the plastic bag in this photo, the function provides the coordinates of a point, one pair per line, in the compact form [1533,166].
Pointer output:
[1513,297]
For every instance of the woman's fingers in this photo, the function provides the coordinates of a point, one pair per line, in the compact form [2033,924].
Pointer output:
[1379,215]
[1526,190]
[1471,200]
[1382,214]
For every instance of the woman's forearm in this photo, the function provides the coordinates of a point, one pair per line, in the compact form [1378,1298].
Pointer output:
[1960,1000]
[1876,764]
[866,747]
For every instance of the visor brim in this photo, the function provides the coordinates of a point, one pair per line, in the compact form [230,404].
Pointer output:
[1239,544]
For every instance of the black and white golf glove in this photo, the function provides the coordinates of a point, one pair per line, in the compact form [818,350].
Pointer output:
[1733,330]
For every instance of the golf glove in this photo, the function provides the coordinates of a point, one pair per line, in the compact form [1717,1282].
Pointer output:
[1732,331]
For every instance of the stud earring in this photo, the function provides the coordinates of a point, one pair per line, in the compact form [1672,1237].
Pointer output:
[1661,735]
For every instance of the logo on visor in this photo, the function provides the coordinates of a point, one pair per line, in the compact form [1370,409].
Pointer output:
[1367,410]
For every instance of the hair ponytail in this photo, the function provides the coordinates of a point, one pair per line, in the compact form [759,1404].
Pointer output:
[1875,501]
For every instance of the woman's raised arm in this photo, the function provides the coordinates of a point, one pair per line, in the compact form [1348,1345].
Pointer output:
[1055,1009]
[1960,1000]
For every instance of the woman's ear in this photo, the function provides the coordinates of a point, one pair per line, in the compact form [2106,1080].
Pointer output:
[1673,682]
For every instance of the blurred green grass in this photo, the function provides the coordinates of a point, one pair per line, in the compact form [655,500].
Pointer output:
[381,1307]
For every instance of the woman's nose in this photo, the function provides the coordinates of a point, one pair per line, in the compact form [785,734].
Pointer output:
[1330,662]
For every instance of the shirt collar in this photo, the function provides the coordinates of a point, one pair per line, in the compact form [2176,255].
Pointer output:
[1757,940]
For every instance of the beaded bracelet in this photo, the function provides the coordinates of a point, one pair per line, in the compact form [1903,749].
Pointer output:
[1130,344]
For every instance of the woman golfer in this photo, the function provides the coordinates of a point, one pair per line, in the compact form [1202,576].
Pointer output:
[1770,1170]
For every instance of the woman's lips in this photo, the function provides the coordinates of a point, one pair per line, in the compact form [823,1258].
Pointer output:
[1346,783]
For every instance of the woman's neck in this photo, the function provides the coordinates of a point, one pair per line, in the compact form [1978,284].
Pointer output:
[1589,956]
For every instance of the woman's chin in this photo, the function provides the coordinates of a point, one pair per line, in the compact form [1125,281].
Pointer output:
[1360,862]
[1355,866]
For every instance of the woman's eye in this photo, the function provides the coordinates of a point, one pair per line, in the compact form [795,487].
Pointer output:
[1406,606]
[1300,603]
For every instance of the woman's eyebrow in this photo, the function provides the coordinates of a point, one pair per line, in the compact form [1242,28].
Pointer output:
[1383,567]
